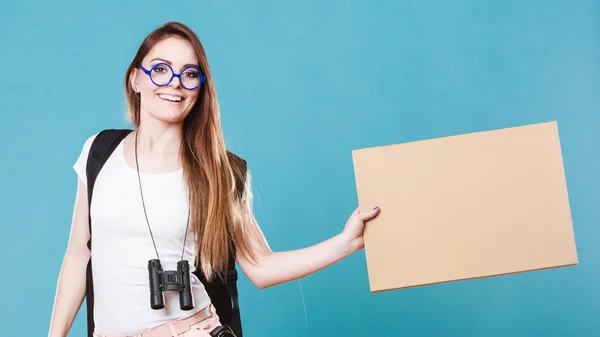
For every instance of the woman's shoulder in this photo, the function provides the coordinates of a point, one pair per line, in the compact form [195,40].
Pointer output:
[86,142]
[236,159]
[107,134]
[81,162]
[239,166]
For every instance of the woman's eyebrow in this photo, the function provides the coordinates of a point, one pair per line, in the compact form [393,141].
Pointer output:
[170,63]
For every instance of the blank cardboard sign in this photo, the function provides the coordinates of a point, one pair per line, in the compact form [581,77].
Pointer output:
[463,207]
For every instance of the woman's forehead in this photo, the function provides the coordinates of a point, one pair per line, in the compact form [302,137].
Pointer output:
[176,51]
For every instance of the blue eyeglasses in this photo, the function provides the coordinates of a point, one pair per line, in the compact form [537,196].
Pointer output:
[161,74]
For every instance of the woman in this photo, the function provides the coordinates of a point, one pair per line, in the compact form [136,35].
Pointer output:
[175,157]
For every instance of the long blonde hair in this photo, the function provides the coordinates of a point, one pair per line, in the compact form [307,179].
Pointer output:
[217,180]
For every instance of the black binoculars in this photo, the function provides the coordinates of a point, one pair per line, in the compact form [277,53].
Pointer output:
[170,280]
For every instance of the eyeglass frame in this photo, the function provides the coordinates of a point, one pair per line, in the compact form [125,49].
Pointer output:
[173,75]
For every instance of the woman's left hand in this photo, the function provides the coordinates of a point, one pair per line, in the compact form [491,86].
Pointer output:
[354,229]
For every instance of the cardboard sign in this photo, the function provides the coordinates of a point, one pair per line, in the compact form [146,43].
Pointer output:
[463,207]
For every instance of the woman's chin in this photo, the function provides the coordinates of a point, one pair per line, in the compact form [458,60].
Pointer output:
[170,116]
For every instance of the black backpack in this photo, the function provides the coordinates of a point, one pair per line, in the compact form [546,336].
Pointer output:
[222,291]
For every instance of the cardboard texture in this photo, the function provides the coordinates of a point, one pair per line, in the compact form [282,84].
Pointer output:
[464,207]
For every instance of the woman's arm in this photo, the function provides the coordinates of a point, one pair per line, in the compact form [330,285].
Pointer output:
[273,268]
[71,286]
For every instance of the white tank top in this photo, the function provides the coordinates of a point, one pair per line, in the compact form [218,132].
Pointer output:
[122,245]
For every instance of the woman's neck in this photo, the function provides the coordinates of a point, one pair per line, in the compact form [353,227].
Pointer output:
[159,139]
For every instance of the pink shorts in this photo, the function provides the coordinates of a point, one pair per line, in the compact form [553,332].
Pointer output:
[198,325]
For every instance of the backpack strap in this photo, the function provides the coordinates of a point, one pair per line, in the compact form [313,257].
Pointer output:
[240,167]
[102,147]
[231,283]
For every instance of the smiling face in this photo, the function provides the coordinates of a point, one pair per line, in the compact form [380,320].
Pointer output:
[169,103]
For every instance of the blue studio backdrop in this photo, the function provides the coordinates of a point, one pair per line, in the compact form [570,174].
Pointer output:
[301,84]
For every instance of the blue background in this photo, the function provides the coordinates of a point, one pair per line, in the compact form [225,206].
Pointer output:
[301,84]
